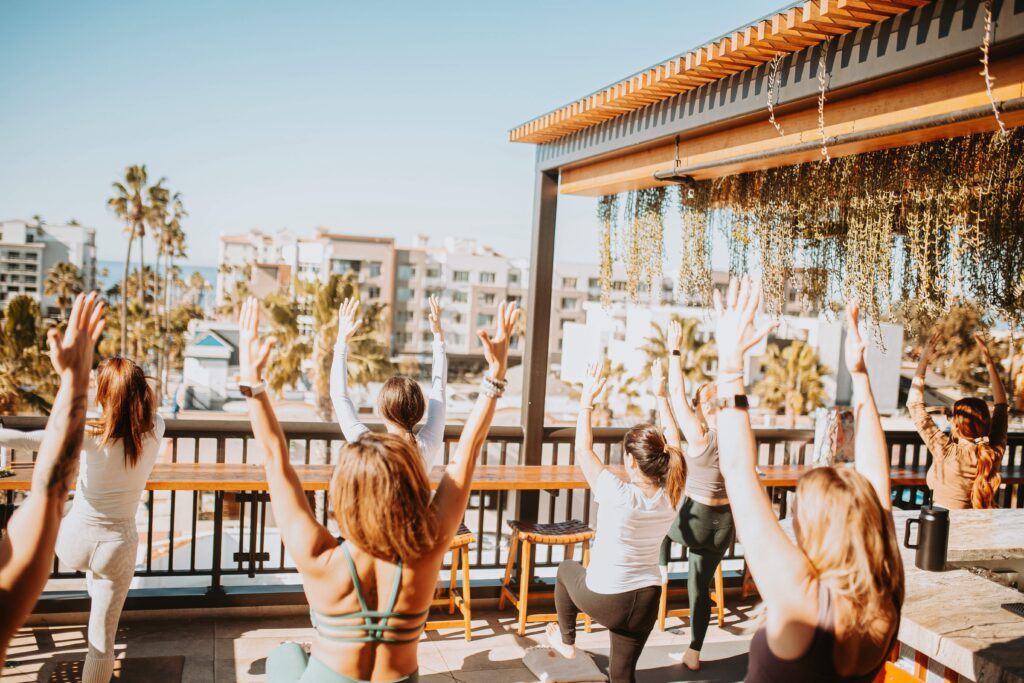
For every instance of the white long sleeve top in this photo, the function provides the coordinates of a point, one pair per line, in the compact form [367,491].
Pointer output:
[106,487]
[430,437]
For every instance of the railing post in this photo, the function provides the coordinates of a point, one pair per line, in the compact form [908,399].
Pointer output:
[215,588]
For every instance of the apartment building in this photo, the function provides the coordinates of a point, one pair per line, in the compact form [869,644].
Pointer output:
[29,248]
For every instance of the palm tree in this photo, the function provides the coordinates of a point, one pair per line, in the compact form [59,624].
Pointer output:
[170,238]
[368,355]
[26,375]
[235,295]
[290,349]
[130,204]
[63,281]
[792,379]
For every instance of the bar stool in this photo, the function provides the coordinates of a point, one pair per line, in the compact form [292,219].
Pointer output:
[530,534]
[717,597]
[460,552]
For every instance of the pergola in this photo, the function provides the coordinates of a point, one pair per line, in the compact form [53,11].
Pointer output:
[899,72]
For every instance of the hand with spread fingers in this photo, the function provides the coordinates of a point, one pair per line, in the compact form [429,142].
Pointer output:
[675,336]
[735,333]
[496,347]
[253,354]
[593,384]
[349,321]
[659,385]
[855,344]
[72,353]
[435,318]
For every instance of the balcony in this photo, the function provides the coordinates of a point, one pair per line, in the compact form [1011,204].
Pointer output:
[214,590]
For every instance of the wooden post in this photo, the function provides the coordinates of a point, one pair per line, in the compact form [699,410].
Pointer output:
[538,324]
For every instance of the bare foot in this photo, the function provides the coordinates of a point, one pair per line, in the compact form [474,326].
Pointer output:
[690,659]
[556,644]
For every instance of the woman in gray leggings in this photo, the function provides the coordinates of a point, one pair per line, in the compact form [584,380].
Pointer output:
[704,524]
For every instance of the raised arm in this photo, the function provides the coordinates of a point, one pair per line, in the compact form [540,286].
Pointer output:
[344,408]
[871,452]
[26,550]
[305,539]
[453,491]
[692,427]
[665,415]
[933,437]
[593,384]
[997,432]
[431,435]
[780,569]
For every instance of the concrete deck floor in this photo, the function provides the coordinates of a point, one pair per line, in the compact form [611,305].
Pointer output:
[226,649]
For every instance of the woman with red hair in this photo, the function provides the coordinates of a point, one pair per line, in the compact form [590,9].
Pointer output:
[965,465]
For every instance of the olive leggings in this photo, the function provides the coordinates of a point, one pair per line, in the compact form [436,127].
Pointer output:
[707,533]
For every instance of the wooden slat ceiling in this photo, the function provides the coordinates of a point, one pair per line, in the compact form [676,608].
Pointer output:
[790,30]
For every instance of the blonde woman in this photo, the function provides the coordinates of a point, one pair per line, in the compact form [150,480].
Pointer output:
[965,465]
[832,599]
[369,597]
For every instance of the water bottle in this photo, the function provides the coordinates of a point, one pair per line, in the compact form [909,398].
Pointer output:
[932,538]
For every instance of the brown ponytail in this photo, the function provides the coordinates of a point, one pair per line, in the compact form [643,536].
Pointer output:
[987,481]
[128,406]
[675,480]
[972,420]
[402,403]
[657,460]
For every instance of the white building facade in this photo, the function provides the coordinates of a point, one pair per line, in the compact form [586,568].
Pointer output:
[29,248]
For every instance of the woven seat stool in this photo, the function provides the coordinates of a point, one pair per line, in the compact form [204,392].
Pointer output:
[527,535]
[460,555]
[717,597]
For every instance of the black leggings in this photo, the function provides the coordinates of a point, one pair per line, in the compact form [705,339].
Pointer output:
[707,533]
[629,617]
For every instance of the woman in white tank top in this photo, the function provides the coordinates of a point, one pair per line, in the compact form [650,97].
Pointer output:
[99,535]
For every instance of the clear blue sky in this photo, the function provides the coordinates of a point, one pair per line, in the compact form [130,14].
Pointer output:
[366,117]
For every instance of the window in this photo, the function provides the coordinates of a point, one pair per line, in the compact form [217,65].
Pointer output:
[373,292]
[457,318]
[513,278]
[403,337]
[460,276]
[487,298]
[568,283]
[406,272]
[375,268]
[14,254]
[403,316]
[486,278]
[460,297]
[514,299]
[619,285]
[404,294]
[340,266]
[427,336]
[568,303]
[433,271]
[594,283]
[484,320]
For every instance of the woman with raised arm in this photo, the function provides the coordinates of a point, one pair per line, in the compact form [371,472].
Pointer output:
[401,401]
[621,587]
[26,548]
[965,465]
[704,524]
[99,535]
[832,599]
[369,597]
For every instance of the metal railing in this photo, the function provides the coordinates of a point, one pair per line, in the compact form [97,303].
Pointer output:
[224,536]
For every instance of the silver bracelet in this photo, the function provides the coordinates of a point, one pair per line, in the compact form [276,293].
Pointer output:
[490,389]
[496,382]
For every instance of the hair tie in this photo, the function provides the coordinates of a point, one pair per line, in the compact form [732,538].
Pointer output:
[981,440]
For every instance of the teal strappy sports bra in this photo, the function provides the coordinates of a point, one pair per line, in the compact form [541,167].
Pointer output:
[375,623]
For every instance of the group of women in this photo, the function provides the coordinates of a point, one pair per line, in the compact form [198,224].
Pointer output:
[832,595]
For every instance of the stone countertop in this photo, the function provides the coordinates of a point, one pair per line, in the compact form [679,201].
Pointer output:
[954,617]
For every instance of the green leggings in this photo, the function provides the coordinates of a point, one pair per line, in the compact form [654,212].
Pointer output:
[707,533]
[289,663]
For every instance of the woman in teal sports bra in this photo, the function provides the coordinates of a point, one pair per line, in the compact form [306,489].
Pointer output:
[369,596]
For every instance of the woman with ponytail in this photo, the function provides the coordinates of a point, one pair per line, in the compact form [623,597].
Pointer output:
[401,402]
[704,524]
[622,586]
[965,465]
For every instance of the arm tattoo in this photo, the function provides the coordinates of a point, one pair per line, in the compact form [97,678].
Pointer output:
[59,452]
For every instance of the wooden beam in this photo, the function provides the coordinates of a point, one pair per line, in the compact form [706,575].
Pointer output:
[936,96]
